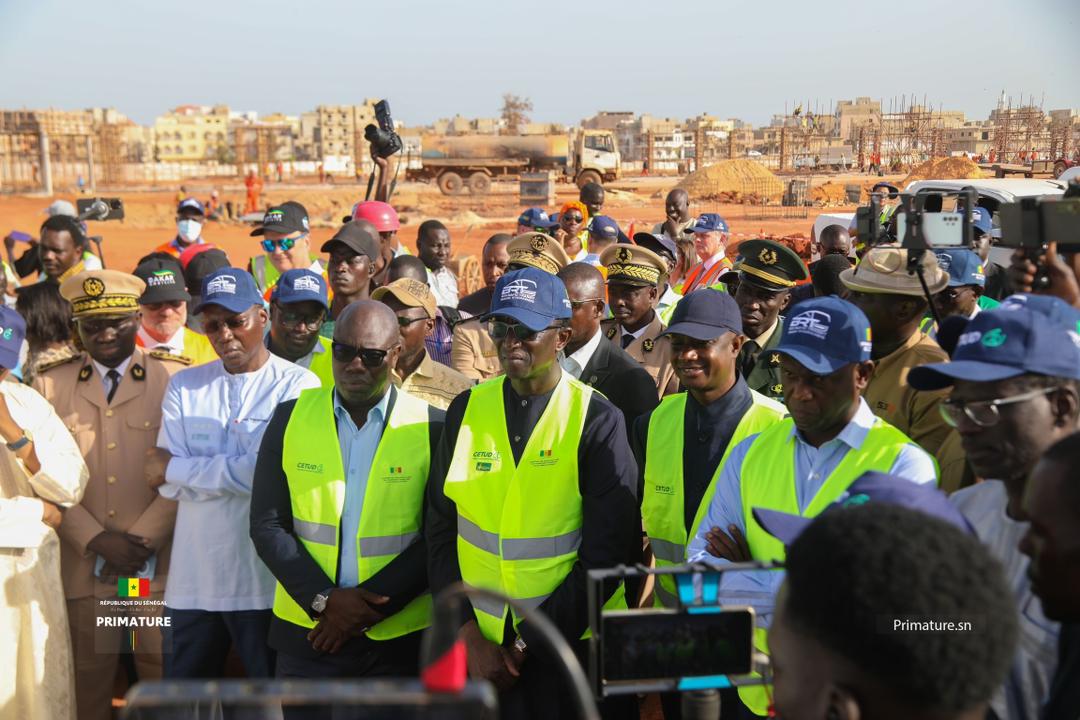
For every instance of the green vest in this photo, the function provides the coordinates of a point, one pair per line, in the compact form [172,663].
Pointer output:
[264,272]
[519,526]
[322,364]
[767,479]
[663,500]
[393,499]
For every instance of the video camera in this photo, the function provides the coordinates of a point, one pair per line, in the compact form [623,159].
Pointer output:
[99,209]
[384,141]
[919,221]
[1034,222]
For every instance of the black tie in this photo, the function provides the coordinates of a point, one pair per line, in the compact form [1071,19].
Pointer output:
[114,378]
[751,349]
[627,338]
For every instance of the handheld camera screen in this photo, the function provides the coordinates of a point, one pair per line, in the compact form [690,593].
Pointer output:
[647,645]
[941,229]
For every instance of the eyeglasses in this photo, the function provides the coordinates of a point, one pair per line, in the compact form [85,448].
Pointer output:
[370,357]
[984,413]
[292,320]
[96,326]
[579,303]
[406,322]
[285,244]
[236,322]
[953,294]
[572,218]
[499,330]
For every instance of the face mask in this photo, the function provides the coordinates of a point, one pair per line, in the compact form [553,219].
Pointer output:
[189,229]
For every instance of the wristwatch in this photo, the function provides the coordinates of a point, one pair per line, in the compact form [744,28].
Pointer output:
[319,603]
[20,443]
[520,645]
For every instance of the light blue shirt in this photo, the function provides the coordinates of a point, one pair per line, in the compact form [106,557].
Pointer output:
[212,424]
[358,446]
[813,465]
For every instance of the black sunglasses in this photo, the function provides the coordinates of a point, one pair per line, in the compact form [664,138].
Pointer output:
[370,357]
[499,330]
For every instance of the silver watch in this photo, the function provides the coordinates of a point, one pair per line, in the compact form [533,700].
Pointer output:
[319,603]
[520,644]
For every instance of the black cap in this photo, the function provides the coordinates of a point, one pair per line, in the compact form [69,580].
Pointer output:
[705,314]
[659,244]
[202,265]
[286,218]
[164,282]
[353,235]
[770,265]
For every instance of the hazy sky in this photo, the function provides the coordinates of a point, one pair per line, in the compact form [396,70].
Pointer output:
[433,59]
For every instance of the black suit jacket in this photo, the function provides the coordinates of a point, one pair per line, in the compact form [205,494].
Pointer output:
[622,380]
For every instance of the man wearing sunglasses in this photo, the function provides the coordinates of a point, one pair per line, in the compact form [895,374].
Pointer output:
[164,306]
[1015,392]
[337,507]
[354,251]
[803,463]
[532,484]
[298,307]
[110,399]
[285,245]
[218,592]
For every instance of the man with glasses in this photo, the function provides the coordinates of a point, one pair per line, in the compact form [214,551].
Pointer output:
[633,277]
[592,358]
[964,295]
[354,250]
[415,371]
[285,245]
[336,512]
[164,307]
[534,219]
[110,400]
[531,486]
[805,462]
[766,277]
[1015,379]
[218,593]
[298,307]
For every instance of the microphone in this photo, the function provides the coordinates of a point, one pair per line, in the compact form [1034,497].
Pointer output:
[97,210]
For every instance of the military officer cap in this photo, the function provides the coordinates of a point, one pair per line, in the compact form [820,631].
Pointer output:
[102,292]
[769,265]
[632,265]
[535,249]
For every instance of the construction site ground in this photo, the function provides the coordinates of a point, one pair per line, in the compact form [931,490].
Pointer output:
[638,201]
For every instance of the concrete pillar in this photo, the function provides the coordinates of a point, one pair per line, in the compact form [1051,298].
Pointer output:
[90,175]
[46,170]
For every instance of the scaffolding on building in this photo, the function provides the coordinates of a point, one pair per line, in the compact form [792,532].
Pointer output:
[1024,132]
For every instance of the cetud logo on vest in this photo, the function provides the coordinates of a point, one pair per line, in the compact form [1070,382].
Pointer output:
[310,467]
[486,460]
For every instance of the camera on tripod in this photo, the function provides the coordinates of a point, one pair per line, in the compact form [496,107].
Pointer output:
[1034,222]
[919,221]
[384,141]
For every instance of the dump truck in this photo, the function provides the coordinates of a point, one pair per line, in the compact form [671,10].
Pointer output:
[456,162]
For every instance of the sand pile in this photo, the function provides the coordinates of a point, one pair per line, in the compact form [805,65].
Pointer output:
[731,178]
[829,193]
[950,168]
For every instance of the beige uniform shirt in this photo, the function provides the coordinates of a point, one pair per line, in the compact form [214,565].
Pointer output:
[113,438]
[652,351]
[35,652]
[473,352]
[434,383]
[915,413]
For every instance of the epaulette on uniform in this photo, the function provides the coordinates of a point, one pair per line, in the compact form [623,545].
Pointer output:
[162,355]
[57,363]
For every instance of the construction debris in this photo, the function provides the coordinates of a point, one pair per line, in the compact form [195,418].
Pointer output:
[729,178]
[950,168]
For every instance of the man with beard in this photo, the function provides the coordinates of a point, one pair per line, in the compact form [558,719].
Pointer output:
[164,307]
[298,306]
[353,250]
[1014,377]
[213,419]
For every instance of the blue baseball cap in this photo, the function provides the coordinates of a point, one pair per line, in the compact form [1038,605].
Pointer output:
[1054,309]
[532,297]
[870,487]
[1001,344]
[604,227]
[708,222]
[12,333]
[536,217]
[825,334]
[704,315]
[231,288]
[190,204]
[981,220]
[964,266]
[300,285]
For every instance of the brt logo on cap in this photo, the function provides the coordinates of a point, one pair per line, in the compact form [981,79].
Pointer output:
[811,322]
[520,289]
[306,282]
[221,284]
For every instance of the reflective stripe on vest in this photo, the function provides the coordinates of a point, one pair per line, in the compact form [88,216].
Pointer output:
[663,499]
[393,499]
[519,526]
[699,278]
[767,479]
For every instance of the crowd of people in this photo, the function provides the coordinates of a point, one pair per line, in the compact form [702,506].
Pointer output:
[287,460]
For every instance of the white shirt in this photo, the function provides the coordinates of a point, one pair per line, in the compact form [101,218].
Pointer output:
[174,343]
[575,363]
[715,259]
[212,423]
[444,286]
[103,371]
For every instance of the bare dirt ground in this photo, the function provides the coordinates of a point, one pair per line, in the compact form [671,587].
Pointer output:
[150,214]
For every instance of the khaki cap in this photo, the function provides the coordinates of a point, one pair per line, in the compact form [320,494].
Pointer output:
[632,265]
[410,292]
[102,292]
[535,249]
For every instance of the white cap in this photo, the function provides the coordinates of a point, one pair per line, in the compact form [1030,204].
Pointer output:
[61,207]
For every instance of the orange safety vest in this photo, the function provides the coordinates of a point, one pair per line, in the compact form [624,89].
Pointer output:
[699,277]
